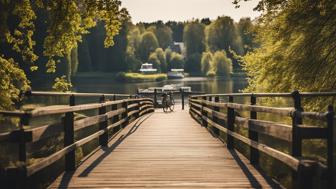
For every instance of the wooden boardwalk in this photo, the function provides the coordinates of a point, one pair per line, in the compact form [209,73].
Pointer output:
[165,150]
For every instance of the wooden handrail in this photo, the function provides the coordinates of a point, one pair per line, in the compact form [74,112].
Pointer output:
[207,112]
[128,109]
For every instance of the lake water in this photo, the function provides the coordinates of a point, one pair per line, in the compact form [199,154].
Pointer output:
[199,84]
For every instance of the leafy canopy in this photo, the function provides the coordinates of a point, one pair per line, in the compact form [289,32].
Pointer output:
[66,22]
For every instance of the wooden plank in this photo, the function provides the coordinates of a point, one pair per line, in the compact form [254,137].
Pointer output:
[312,132]
[165,150]
[283,157]
[266,109]
[276,130]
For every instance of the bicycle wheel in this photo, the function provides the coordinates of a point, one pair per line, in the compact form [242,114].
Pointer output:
[165,106]
[171,104]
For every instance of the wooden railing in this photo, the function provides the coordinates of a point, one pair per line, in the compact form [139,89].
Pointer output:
[114,114]
[209,111]
[157,93]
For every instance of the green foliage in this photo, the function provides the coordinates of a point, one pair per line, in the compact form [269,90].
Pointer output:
[162,57]
[66,22]
[168,53]
[177,28]
[223,34]
[148,44]
[133,64]
[176,61]
[61,84]
[193,63]
[193,38]
[221,64]
[247,33]
[158,59]
[153,59]
[12,80]
[137,77]
[296,50]
[206,62]
[163,34]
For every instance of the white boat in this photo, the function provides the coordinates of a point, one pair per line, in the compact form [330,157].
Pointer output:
[176,74]
[147,69]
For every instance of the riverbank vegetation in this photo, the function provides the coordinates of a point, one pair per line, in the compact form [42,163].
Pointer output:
[138,77]
[296,48]
[88,39]
[38,35]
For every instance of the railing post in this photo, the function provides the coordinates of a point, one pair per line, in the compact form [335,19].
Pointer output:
[182,97]
[296,120]
[69,137]
[204,114]
[103,139]
[125,114]
[331,145]
[116,117]
[305,174]
[254,153]
[214,118]
[22,141]
[155,98]
[296,147]
[137,115]
[230,124]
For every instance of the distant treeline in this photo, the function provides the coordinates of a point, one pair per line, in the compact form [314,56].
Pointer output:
[208,47]
[202,47]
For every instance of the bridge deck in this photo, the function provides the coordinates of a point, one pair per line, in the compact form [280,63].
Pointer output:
[164,150]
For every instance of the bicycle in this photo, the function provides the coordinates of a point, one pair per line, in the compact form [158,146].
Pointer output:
[167,102]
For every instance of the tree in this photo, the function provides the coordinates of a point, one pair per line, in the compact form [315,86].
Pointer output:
[85,56]
[193,37]
[153,59]
[177,28]
[162,57]
[246,31]
[221,65]
[148,44]
[176,61]
[66,22]
[222,34]
[296,49]
[163,34]
[206,62]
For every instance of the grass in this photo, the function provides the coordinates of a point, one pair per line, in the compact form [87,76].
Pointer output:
[138,77]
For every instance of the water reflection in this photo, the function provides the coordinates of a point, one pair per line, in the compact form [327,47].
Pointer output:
[213,85]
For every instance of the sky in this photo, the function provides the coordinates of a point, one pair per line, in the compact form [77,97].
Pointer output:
[182,10]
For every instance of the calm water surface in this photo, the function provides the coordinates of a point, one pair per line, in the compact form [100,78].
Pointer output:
[201,84]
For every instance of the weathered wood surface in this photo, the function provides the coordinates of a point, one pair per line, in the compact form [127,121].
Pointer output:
[165,150]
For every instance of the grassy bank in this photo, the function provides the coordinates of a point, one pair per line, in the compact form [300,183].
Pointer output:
[137,77]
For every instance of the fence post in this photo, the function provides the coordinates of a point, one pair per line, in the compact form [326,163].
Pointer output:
[305,174]
[155,98]
[214,118]
[296,120]
[254,153]
[116,117]
[69,137]
[125,114]
[331,145]
[182,97]
[296,147]
[103,139]
[204,114]
[230,124]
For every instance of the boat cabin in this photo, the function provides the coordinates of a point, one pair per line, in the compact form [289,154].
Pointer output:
[147,68]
